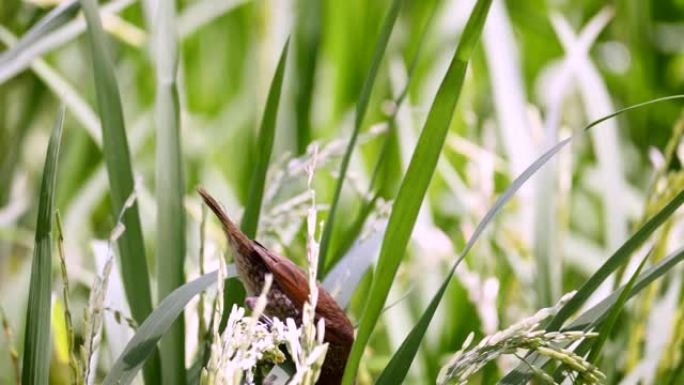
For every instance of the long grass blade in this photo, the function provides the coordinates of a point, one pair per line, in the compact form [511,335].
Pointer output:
[612,315]
[620,257]
[401,361]
[522,372]
[117,159]
[415,184]
[194,17]
[596,314]
[153,329]
[71,98]
[170,187]
[250,220]
[53,20]
[307,37]
[380,173]
[48,39]
[361,108]
[36,364]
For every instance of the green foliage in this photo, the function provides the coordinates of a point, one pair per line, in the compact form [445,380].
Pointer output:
[620,257]
[36,362]
[412,191]
[250,220]
[361,107]
[170,188]
[12,60]
[434,228]
[609,323]
[117,159]
[143,343]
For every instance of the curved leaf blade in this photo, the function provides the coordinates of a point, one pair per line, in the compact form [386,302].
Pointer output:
[37,332]
[250,220]
[378,179]
[53,20]
[596,314]
[170,188]
[620,257]
[402,359]
[307,35]
[361,107]
[151,331]
[599,311]
[134,269]
[117,159]
[612,315]
[414,186]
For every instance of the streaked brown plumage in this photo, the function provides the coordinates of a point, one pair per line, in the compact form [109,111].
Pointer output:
[289,292]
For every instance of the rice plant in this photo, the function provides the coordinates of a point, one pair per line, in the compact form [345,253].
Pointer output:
[404,190]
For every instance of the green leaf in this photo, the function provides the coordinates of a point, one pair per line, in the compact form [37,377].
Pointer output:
[413,189]
[170,188]
[53,20]
[361,107]
[55,30]
[307,36]
[250,219]
[409,347]
[599,311]
[401,361]
[620,257]
[117,160]
[613,314]
[151,331]
[522,372]
[36,364]
[404,355]
[381,165]
[596,314]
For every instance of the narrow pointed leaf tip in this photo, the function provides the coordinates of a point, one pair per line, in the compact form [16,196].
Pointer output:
[267,132]
[412,192]
[117,159]
[144,341]
[37,331]
[361,107]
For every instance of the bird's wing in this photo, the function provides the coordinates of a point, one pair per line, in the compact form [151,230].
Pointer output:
[290,278]
[293,282]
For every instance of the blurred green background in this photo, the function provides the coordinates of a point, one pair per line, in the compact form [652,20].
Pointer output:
[542,69]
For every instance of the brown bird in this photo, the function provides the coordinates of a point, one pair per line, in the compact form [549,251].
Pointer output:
[289,292]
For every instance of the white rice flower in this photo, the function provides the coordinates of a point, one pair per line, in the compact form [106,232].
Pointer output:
[522,335]
[307,347]
[93,315]
[245,342]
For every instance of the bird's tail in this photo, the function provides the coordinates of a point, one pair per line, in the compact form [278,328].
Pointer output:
[236,237]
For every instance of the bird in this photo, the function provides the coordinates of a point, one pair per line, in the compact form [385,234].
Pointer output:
[288,293]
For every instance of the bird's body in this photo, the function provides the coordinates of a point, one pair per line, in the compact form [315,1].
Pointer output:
[288,293]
